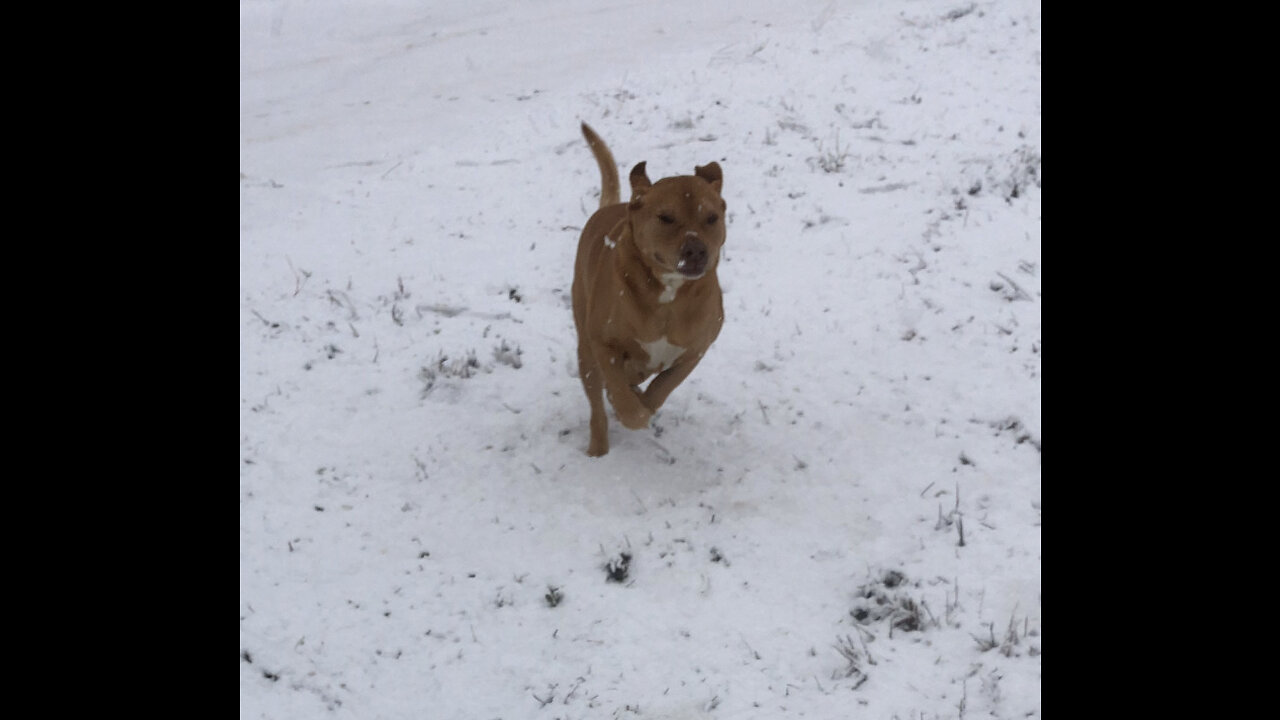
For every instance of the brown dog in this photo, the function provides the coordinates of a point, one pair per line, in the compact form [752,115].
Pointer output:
[646,298]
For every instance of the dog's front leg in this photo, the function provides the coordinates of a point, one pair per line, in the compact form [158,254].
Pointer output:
[593,383]
[666,381]
[631,410]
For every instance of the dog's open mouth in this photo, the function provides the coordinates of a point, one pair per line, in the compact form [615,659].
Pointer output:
[692,269]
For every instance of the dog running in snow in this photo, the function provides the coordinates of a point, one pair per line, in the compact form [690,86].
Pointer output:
[646,299]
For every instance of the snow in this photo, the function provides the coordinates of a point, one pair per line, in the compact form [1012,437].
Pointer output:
[836,515]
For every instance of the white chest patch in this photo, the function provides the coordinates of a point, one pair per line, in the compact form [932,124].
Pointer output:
[671,283]
[662,354]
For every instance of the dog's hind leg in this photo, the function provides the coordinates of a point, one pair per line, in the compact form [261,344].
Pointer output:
[593,384]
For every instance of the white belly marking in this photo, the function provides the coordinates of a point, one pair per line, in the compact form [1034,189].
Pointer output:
[662,354]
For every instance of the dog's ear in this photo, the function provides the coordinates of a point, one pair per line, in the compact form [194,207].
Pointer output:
[711,173]
[640,183]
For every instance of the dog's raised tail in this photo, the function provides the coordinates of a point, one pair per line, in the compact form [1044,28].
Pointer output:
[609,186]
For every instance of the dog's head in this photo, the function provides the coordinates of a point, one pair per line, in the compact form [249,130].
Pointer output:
[678,222]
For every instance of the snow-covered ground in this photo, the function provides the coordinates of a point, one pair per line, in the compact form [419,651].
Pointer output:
[837,515]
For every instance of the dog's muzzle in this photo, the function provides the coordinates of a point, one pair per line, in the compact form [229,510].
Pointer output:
[692,261]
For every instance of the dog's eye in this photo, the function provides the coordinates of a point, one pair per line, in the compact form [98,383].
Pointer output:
[666,219]
[712,219]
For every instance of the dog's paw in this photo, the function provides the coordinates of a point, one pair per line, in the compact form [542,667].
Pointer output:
[599,445]
[636,418]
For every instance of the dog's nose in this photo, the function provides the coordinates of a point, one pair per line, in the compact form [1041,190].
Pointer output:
[693,251]
[693,256]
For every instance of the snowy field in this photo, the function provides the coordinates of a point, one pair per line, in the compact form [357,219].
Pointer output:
[836,516]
